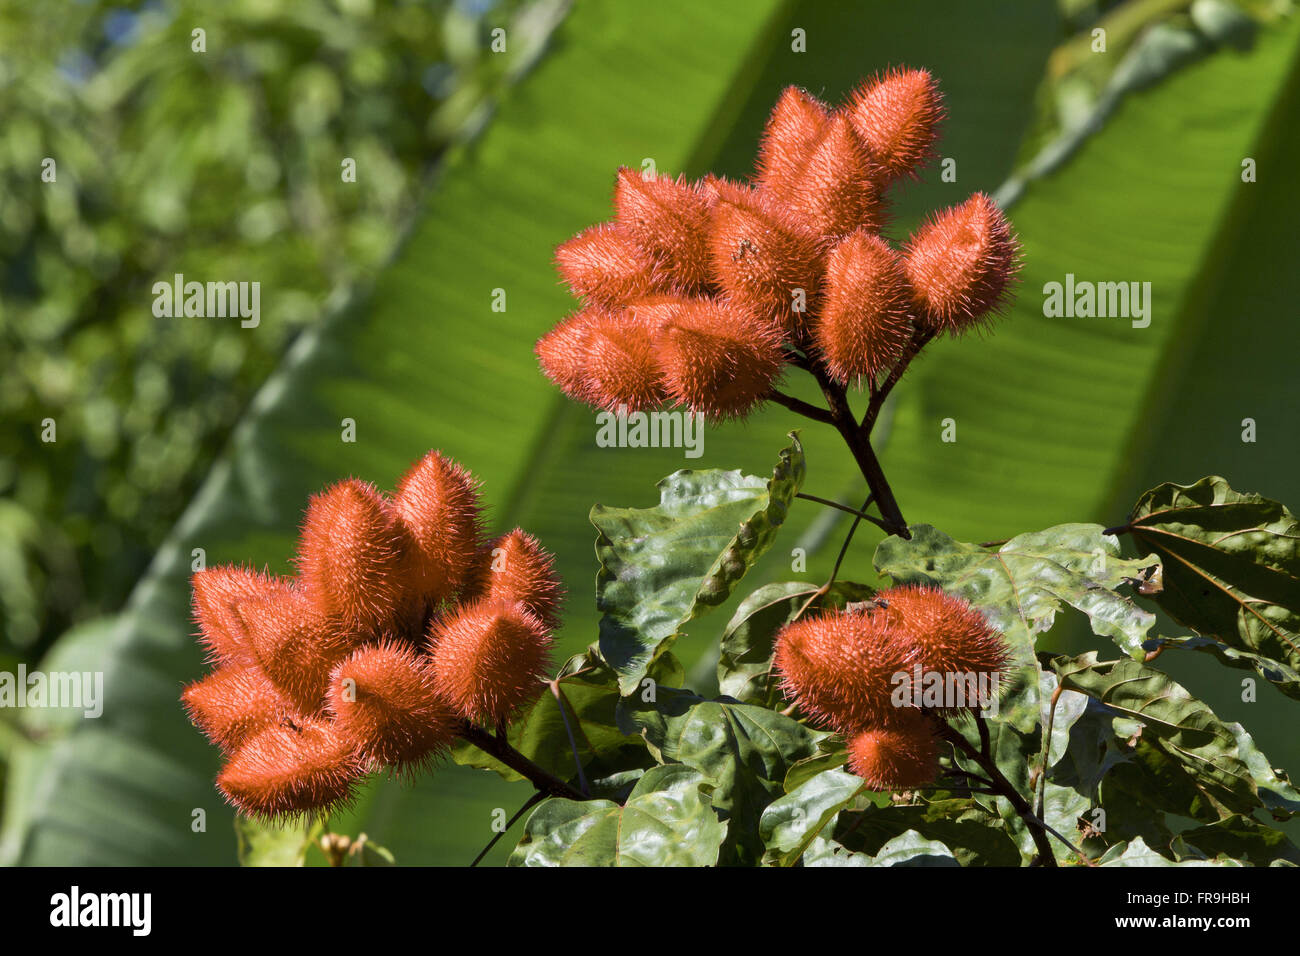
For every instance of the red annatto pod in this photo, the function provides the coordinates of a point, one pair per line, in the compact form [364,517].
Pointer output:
[437,503]
[950,635]
[383,702]
[840,667]
[791,131]
[718,359]
[764,262]
[605,266]
[835,190]
[668,219]
[619,368]
[489,659]
[902,755]
[961,264]
[295,647]
[897,117]
[232,704]
[350,558]
[515,567]
[290,769]
[864,322]
[216,592]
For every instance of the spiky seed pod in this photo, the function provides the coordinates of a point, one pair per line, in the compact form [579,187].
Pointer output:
[562,352]
[791,131]
[605,266]
[765,263]
[863,325]
[437,503]
[716,189]
[668,218]
[515,567]
[619,365]
[232,704]
[382,699]
[835,191]
[488,660]
[291,769]
[654,311]
[949,634]
[899,756]
[961,263]
[897,117]
[350,557]
[296,648]
[216,592]
[840,667]
[718,359]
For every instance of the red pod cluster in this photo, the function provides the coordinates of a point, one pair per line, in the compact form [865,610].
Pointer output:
[402,622]
[697,294]
[856,671]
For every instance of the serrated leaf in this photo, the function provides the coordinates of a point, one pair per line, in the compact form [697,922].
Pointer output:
[1284,678]
[743,751]
[1231,564]
[661,567]
[1220,758]
[745,659]
[666,821]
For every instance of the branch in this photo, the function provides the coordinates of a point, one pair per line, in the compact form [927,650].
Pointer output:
[845,508]
[920,338]
[532,801]
[497,747]
[800,407]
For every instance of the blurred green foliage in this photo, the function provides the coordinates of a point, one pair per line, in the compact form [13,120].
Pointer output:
[222,165]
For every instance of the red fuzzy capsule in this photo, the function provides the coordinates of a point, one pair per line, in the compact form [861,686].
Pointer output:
[788,138]
[489,659]
[951,636]
[383,702]
[864,324]
[835,191]
[516,568]
[668,218]
[437,503]
[232,704]
[562,352]
[292,768]
[767,265]
[842,668]
[718,359]
[961,264]
[618,364]
[296,648]
[350,559]
[899,756]
[216,592]
[897,117]
[605,266]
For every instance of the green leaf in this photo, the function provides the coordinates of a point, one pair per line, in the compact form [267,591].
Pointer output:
[1219,758]
[1023,583]
[743,751]
[745,661]
[1135,852]
[1284,678]
[1237,838]
[661,567]
[276,844]
[790,823]
[1231,564]
[831,755]
[666,821]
